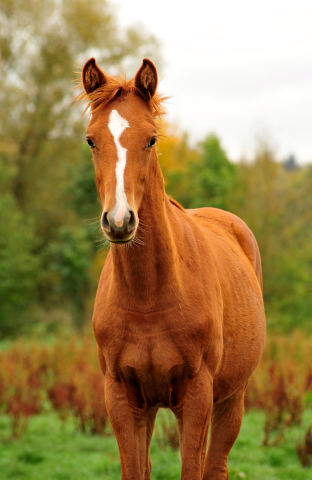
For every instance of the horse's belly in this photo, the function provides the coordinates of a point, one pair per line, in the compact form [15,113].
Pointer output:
[242,349]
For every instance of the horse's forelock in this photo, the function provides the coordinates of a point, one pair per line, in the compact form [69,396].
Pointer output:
[110,90]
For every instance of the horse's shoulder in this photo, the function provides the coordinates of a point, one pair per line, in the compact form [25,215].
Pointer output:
[233,227]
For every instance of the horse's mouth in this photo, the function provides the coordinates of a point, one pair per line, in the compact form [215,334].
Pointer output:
[119,239]
[121,242]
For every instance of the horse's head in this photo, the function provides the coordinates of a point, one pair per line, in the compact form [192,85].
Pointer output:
[122,134]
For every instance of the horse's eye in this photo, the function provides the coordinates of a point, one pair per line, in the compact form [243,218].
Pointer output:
[90,143]
[152,142]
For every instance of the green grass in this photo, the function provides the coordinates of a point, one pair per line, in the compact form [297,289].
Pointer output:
[50,450]
[279,462]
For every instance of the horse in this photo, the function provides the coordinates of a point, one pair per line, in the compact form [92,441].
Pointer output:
[178,317]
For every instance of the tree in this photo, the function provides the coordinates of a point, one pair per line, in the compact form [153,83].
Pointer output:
[175,158]
[18,264]
[41,44]
[213,177]
[276,205]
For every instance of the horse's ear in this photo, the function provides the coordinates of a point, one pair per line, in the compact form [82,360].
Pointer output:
[146,79]
[92,76]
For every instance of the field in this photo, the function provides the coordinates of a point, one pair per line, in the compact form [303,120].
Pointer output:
[55,451]
[53,422]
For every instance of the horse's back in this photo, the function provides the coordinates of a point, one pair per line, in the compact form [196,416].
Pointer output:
[232,227]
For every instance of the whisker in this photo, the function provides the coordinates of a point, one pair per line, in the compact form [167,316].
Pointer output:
[90,221]
[137,242]
[141,230]
[145,224]
[105,244]
[129,245]
[96,228]
[100,239]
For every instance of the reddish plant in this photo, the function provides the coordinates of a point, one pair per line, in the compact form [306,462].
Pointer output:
[67,372]
[304,450]
[88,401]
[20,406]
[61,397]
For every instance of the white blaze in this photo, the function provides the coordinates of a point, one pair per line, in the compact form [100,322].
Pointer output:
[117,124]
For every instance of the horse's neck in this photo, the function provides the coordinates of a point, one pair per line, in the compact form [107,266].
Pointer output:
[146,270]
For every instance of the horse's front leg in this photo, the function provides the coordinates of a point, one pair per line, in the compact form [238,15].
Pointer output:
[129,424]
[193,415]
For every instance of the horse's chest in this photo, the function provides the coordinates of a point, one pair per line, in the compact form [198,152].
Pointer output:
[152,355]
[152,368]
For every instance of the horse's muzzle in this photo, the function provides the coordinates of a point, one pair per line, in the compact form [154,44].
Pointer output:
[121,230]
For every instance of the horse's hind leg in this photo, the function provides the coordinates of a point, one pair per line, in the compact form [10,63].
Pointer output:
[226,421]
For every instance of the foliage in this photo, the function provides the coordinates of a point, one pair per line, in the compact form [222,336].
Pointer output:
[212,178]
[66,373]
[175,158]
[19,266]
[41,44]
[274,200]
[196,176]
[48,198]
[64,376]
[276,205]
[281,385]
[166,431]
[68,258]
[81,190]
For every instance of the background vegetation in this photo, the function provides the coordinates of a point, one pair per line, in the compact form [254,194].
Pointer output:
[49,257]
[46,183]
[52,413]
[53,421]
[273,197]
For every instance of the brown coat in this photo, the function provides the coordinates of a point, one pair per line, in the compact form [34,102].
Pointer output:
[178,317]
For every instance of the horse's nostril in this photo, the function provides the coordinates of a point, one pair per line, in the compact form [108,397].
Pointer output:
[132,221]
[105,222]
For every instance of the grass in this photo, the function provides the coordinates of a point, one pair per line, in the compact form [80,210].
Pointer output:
[276,462]
[55,451]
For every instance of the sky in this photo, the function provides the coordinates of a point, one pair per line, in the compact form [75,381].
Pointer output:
[242,69]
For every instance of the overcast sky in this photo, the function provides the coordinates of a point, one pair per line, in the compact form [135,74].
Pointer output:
[241,69]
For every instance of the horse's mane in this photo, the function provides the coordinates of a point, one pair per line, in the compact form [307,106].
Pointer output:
[112,88]
[175,203]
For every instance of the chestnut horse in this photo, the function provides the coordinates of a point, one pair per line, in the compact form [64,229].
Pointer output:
[178,318]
